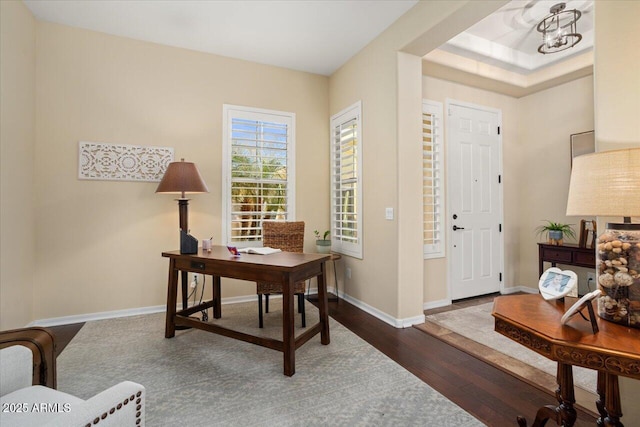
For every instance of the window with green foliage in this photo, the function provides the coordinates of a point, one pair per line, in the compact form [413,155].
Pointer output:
[259,176]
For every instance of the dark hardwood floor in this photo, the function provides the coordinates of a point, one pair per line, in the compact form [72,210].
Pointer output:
[491,395]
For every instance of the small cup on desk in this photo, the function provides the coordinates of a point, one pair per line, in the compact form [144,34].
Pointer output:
[206,245]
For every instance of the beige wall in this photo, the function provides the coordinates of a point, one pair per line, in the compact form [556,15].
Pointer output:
[17,139]
[617,110]
[376,77]
[99,242]
[617,70]
[545,160]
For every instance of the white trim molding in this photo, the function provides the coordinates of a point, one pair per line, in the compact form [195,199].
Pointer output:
[396,323]
[88,317]
[525,289]
[436,304]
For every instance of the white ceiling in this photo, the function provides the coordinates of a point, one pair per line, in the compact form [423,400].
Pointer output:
[508,38]
[319,36]
[314,36]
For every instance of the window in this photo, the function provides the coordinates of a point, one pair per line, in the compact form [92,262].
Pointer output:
[346,181]
[258,171]
[432,194]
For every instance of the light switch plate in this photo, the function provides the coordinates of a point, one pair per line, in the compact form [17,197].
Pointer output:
[388,213]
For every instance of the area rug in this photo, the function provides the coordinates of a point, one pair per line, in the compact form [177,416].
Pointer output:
[202,379]
[472,329]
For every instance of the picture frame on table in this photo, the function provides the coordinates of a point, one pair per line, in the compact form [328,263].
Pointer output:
[555,283]
[579,306]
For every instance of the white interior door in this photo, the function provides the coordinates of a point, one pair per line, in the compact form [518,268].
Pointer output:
[475,207]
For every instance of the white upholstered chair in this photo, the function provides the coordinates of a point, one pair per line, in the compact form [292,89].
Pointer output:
[25,404]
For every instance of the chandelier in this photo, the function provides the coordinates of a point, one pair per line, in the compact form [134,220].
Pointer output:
[559,29]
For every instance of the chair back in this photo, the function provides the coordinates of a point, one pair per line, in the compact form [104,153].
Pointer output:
[286,236]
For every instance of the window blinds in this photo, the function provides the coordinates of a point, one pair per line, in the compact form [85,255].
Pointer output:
[432,180]
[346,169]
[260,173]
[345,182]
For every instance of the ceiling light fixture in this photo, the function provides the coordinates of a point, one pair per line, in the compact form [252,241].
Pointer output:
[559,29]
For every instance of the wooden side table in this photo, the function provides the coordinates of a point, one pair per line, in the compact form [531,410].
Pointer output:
[613,351]
[333,259]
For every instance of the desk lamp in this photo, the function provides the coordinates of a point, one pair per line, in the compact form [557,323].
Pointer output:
[182,178]
[607,183]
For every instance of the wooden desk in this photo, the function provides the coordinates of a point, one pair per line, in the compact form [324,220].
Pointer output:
[615,350]
[285,268]
[567,254]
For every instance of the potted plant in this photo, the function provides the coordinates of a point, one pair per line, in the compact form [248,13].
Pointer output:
[323,245]
[556,231]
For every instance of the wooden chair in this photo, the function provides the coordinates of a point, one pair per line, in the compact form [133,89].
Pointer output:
[289,237]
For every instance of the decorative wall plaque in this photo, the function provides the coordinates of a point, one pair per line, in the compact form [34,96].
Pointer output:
[113,162]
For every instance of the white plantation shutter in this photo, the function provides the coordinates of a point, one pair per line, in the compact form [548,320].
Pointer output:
[346,181]
[258,150]
[432,191]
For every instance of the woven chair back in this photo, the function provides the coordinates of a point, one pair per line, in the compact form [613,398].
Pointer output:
[286,236]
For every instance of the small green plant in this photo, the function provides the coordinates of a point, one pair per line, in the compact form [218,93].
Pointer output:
[324,236]
[556,226]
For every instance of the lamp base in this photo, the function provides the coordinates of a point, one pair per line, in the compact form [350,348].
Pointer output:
[618,268]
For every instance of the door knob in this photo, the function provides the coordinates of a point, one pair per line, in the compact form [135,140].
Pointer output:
[455,227]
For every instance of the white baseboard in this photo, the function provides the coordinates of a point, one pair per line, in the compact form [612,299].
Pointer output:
[396,323]
[88,317]
[513,290]
[80,318]
[436,304]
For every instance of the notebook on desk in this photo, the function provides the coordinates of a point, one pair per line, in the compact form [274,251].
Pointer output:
[259,251]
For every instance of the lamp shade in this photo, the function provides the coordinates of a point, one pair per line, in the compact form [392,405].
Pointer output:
[182,177]
[606,183]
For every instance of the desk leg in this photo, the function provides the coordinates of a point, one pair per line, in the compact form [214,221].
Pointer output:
[335,277]
[172,299]
[288,328]
[185,289]
[323,305]
[564,414]
[217,298]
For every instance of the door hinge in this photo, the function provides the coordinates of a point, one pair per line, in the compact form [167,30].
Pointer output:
[498,130]
[500,228]
[499,179]
[501,277]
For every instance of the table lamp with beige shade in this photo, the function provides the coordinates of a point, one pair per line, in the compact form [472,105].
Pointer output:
[607,184]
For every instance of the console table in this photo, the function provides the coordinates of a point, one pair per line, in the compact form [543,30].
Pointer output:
[613,351]
[567,254]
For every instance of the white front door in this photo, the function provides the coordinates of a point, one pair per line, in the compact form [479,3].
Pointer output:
[474,214]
